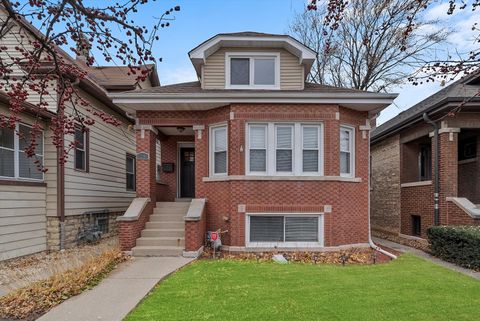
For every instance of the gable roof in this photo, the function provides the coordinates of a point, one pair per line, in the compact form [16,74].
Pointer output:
[465,87]
[250,39]
[120,77]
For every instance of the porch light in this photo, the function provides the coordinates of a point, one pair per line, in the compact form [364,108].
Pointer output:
[180,129]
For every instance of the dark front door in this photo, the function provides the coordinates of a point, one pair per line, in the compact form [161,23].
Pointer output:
[187,172]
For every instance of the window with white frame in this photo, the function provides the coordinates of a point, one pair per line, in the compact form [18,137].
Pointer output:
[347,151]
[130,172]
[277,229]
[81,149]
[284,149]
[257,70]
[14,162]
[218,150]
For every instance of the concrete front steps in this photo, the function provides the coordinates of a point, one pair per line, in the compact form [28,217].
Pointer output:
[164,233]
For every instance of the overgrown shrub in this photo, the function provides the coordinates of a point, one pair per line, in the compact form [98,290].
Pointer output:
[41,296]
[456,244]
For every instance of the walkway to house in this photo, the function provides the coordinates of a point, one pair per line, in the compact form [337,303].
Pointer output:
[404,248]
[119,293]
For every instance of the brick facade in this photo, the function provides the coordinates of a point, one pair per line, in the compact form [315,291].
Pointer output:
[399,155]
[348,221]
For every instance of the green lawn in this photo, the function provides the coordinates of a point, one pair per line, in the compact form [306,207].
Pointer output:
[408,288]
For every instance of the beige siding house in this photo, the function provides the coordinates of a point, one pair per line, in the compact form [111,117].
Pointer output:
[52,210]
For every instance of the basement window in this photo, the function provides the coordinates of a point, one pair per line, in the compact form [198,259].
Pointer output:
[273,230]
[416,225]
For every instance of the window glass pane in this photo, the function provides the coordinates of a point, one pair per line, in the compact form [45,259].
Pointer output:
[80,138]
[130,164]
[220,162]
[301,229]
[28,168]
[239,71]
[79,159]
[284,137]
[258,137]
[264,71]
[130,181]
[344,140]
[7,137]
[220,136]
[258,160]
[284,160]
[344,163]
[266,229]
[310,161]
[310,137]
[7,166]
[25,138]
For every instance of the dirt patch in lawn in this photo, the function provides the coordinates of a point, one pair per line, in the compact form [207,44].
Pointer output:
[20,272]
[341,257]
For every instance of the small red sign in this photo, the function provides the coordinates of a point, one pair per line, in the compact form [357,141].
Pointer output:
[213,236]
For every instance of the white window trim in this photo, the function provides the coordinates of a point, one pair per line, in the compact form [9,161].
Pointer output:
[252,56]
[297,161]
[321,232]
[84,150]
[292,148]
[16,159]
[351,129]
[134,173]
[211,152]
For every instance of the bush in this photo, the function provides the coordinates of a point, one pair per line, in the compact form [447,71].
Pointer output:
[456,244]
[41,296]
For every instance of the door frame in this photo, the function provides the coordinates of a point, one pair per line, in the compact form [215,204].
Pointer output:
[179,168]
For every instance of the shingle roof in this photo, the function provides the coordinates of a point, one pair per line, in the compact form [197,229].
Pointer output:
[195,87]
[251,34]
[462,88]
[108,76]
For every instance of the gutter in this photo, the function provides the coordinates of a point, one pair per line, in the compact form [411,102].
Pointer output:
[436,193]
[370,241]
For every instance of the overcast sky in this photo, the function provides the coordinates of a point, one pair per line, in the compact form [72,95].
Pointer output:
[199,20]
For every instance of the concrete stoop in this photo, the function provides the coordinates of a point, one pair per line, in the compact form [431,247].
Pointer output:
[164,233]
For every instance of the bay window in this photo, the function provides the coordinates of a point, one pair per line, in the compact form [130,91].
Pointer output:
[252,70]
[347,151]
[218,150]
[284,149]
[14,162]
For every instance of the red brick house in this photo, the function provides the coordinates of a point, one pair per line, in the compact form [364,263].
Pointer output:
[403,163]
[270,160]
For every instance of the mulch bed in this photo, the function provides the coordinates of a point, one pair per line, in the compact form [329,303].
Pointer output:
[342,257]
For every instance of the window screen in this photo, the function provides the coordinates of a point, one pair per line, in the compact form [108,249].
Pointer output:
[258,148]
[310,152]
[266,229]
[29,167]
[7,152]
[220,150]
[283,228]
[301,229]
[345,151]
[264,73]
[240,71]
[284,135]
[80,149]
[130,172]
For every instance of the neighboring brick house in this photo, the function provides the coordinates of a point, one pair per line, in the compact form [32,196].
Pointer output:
[47,211]
[403,158]
[279,163]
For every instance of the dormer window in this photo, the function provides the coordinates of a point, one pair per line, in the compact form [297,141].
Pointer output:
[252,70]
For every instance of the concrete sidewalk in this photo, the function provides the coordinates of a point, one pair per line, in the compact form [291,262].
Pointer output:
[408,249]
[119,293]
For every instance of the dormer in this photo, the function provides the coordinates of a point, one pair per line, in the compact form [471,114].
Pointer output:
[251,60]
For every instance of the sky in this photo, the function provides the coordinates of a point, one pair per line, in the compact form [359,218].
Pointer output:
[199,20]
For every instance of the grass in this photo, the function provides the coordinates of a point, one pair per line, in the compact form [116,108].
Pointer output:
[408,288]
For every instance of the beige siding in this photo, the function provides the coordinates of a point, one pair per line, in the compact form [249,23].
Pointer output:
[12,39]
[103,187]
[22,220]
[291,71]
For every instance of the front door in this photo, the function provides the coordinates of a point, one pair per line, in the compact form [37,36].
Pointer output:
[187,172]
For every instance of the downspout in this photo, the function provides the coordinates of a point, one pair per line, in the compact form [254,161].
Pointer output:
[61,181]
[436,193]
[370,241]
